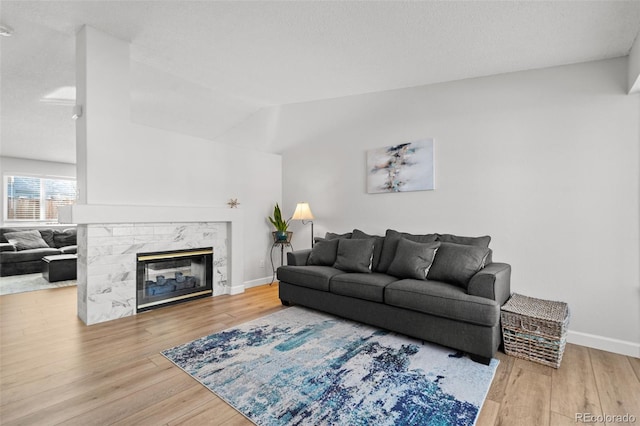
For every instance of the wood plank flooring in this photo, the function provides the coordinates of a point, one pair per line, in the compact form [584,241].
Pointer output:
[55,370]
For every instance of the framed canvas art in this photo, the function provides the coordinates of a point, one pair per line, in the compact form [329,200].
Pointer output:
[401,168]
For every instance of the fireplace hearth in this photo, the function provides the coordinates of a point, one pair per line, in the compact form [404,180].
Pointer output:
[169,277]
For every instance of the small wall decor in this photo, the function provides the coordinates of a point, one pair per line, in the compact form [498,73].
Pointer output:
[233,203]
[401,168]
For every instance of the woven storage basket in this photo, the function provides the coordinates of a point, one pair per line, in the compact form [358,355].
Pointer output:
[535,329]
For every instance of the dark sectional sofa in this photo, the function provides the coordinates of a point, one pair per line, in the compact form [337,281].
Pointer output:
[440,288]
[22,249]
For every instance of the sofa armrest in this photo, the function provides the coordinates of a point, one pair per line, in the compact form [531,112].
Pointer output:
[298,258]
[7,247]
[69,250]
[492,282]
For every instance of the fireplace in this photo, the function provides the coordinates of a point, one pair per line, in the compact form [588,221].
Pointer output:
[170,277]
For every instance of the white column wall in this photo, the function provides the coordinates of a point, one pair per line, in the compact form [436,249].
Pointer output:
[124,163]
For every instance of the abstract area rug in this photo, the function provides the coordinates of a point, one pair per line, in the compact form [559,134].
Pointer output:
[302,367]
[29,282]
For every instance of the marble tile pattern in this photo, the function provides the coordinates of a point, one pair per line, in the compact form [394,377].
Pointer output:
[107,261]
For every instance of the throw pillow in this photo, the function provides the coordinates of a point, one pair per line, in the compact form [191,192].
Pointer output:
[467,241]
[47,236]
[68,237]
[412,260]
[391,240]
[457,263]
[333,236]
[26,240]
[323,253]
[354,255]
[378,245]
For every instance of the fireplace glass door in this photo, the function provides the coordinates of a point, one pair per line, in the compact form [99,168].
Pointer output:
[171,277]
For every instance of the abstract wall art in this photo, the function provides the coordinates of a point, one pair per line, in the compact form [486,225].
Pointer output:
[401,168]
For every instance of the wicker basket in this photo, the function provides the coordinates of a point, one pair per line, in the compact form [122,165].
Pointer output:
[535,329]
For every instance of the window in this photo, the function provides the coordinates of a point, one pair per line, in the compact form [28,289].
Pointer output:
[30,198]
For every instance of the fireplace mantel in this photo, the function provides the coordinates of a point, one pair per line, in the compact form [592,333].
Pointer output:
[97,214]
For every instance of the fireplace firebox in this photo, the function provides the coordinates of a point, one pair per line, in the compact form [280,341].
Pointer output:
[170,277]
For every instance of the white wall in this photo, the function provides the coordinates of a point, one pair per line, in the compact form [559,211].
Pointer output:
[161,168]
[23,166]
[125,163]
[545,161]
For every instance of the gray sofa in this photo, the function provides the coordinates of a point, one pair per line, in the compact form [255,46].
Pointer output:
[22,249]
[440,288]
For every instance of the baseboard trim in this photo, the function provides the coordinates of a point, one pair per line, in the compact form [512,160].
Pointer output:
[237,289]
[608,344]
[258,282]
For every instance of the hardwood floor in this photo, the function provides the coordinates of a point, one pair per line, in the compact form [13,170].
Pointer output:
[56,370]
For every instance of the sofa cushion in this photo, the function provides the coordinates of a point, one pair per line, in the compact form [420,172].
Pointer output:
[4,231]
[413,260]
[391,240]
[443,300]
[355,255]
[361,286]
[47,236]
[333,236]
[323,252]
[45,233]
[467,241]
[378,245]
[26,240]
[315,277]
[457,263]
[27,255]
[68,237]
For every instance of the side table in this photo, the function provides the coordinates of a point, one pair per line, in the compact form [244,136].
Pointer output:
[283,245]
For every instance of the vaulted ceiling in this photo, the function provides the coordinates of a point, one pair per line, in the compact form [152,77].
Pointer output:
[202,67]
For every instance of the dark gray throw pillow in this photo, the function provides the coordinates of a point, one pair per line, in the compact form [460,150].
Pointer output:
[354,255]
[333,236]
[323,252]
[378,242]
[68,237]
[26,240]
[467,241]
[457,263]
[47,236]
[412,260]
[391,240]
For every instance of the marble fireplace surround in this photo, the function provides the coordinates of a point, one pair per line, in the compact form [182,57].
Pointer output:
[109,237]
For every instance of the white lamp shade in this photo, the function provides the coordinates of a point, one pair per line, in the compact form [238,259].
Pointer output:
[303,212]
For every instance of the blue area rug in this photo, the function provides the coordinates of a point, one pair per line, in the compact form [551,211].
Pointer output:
[303,367]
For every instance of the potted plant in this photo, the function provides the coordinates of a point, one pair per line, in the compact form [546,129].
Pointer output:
[280,224]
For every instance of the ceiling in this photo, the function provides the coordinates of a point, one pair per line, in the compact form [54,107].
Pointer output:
[203,67]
